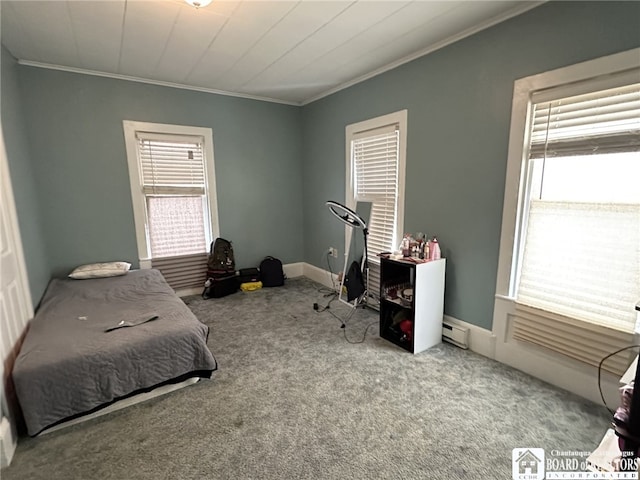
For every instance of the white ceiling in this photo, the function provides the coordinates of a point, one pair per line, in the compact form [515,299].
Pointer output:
[286,51]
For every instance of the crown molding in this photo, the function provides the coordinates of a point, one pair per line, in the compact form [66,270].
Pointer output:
[149,81]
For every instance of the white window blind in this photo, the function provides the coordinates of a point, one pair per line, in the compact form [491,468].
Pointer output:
[375,166]
[171,164]
[176,225]
[582,260]
[581,254]
[375,160]
[174,184]
[600,122]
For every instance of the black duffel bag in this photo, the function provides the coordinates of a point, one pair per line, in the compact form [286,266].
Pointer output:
[216,287]
[246,275]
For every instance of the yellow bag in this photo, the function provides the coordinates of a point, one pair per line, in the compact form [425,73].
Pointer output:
[250,286]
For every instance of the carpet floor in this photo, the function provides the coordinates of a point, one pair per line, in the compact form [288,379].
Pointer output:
[297,397]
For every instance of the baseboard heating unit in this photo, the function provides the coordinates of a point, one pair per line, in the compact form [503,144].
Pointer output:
[455,334]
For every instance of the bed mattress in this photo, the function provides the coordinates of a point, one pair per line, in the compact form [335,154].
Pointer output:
[73,362]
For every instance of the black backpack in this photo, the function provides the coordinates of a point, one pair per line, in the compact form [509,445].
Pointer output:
[271,273]
[221,262]
[354,282]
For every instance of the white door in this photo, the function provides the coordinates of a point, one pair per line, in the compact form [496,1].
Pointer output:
[15,304]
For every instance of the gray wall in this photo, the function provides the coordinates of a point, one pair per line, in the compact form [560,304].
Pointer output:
[79,162]
[459,104]
[26,194]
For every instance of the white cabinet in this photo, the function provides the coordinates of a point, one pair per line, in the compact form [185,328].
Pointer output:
[412,303]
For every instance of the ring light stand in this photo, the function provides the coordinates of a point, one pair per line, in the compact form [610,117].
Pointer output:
[355,221]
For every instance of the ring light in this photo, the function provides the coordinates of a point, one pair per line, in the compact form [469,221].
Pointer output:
[346,215]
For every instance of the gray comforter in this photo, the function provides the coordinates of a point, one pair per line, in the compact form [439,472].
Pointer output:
[69,364]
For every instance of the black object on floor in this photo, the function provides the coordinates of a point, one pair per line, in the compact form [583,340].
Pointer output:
[220,287]
[271,272]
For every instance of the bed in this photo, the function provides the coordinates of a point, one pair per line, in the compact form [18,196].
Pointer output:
[98,341]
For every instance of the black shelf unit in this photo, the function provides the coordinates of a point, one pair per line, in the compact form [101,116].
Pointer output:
[414,322]
[396,276]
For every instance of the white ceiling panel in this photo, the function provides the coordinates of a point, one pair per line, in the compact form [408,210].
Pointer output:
[418,15]
[351,20]
[190,38]
[145,36]
[97,27]
[297,25]
[249,22]
[364,60]
[346,40]
[290,51]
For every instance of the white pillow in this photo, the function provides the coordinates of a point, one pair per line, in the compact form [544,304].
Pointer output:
[100,270]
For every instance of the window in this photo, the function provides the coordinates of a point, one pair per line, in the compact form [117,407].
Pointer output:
[582,244]
[575,268]
[173,193]
[375,173]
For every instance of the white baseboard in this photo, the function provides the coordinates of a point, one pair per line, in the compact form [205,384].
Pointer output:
[292,270]
[319,275]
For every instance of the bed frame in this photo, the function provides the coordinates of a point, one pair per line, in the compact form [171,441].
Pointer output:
[124,403]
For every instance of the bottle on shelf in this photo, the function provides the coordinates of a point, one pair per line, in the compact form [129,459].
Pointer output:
[435,250]
[405,246]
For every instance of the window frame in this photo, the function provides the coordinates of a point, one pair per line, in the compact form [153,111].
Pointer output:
[516,194]
[351,130]
[138,197]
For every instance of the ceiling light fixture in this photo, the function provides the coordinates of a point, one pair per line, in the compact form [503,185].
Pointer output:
[198,3]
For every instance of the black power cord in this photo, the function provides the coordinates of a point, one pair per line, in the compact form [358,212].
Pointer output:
[327,292]
[319,309]
[344,323]
[364,335]
[604,359]
[328,258]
